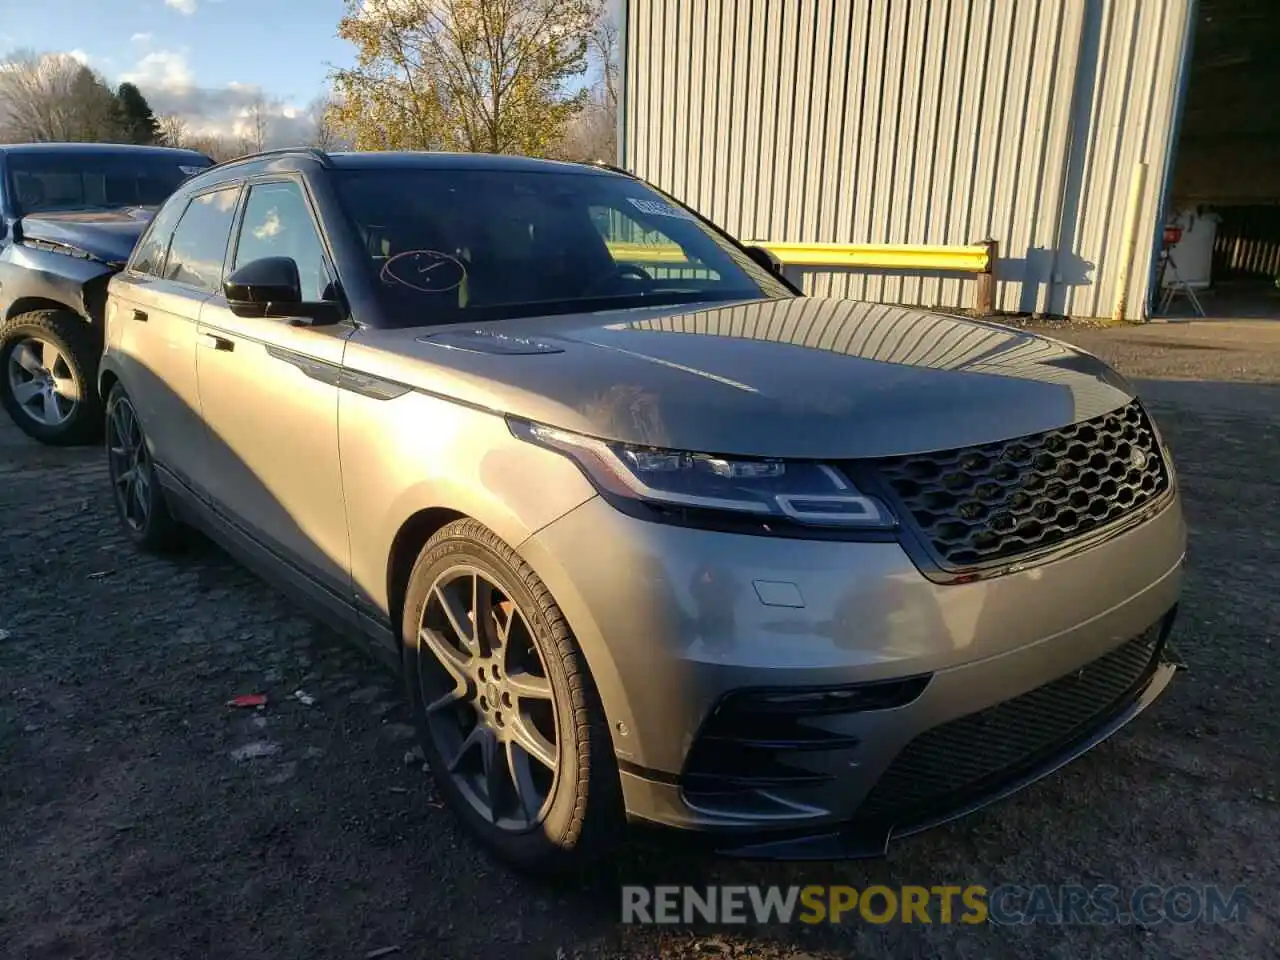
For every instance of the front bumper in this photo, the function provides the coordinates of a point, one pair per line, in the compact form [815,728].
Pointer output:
[676,623]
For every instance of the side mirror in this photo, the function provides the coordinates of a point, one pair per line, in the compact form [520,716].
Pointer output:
[766,258]
[271,287]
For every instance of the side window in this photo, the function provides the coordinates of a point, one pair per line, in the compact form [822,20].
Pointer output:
[149,256]
[277,223]
[200,242]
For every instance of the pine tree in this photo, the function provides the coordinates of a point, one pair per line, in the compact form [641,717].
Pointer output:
[139,124]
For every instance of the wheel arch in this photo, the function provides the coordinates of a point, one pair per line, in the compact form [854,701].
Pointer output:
[108,376]
[420,526]
[406,545]
[33,303]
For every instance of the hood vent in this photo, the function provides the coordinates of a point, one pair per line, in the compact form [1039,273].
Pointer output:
[486,341]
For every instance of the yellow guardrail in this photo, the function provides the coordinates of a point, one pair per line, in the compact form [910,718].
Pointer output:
[647,252]
[970,259]
[888,256]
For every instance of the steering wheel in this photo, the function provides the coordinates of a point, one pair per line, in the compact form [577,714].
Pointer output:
[623,271]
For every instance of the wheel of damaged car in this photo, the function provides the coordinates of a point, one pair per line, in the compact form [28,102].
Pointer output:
[510,719]
[48,373]
[140,503]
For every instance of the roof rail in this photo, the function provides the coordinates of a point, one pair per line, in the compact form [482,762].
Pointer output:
[312,152]
[612,168]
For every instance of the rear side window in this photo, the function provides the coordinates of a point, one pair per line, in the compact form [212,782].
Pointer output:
[200,242]
[149,256]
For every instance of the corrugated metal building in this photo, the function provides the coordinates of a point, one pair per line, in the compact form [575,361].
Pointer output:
[920,122]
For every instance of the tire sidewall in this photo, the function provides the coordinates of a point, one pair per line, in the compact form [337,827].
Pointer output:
[85,419]
[547,838]
[155,498]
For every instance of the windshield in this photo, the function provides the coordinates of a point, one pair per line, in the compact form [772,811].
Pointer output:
[451,246]
[51,182]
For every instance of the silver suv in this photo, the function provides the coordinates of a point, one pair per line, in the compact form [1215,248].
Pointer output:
[649,535]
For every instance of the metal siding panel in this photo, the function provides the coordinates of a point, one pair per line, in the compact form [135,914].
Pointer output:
[954,17]
[920,121]
[971,89]
[1052,84]
[710,151]
[835,108]
[903,68]
[803,195]
[881,175]
[752,23]
[847,283]
[1019,118]
[1097,200]
[780,157]
[681,103]
[923,138]
[770,93]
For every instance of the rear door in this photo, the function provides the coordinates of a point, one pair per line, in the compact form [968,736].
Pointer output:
[269,394]
[152,317]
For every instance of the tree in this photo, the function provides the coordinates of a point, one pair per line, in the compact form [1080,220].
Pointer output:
[55,97]
[173,130]
[324,133]
[257,125]
[218,149]
[593,133]
[475,75]
[139,123]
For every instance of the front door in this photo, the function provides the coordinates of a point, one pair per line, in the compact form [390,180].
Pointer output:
[269,395]
[154,308]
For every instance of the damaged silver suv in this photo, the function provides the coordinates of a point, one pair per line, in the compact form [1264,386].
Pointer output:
[650,536]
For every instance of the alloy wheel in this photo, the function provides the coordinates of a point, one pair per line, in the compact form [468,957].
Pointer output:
[42,382]
[130,464]
[489,705]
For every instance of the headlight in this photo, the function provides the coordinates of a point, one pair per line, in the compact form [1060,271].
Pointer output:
[812,494]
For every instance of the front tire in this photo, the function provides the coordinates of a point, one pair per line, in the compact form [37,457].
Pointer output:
[140,503]
[48,376]
[511,722]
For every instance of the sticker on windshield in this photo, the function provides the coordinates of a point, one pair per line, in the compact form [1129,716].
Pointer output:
[427,271]
[190,171]
[659,209]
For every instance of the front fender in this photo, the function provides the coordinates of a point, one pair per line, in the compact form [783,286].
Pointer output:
[416,452]
[31,278]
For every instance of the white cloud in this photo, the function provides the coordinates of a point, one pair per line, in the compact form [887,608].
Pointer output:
[141,38]
[186,7]
[79,56]
[270,228]
[165,70]
[166,80]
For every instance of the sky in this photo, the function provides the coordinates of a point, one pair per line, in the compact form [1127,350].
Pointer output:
[203,59]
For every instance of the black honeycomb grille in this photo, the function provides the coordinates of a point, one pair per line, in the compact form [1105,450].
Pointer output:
[972,755]
[998,501]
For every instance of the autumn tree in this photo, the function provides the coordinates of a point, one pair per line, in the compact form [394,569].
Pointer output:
[55,97]
[474,75]
[323,113]
[138,122]
[593,133]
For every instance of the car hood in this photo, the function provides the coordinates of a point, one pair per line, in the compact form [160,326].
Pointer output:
[804,377]
[107,235]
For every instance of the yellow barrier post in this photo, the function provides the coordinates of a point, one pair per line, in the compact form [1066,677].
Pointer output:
[984,290]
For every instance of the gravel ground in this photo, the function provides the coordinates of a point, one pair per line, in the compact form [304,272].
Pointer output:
[140,817]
